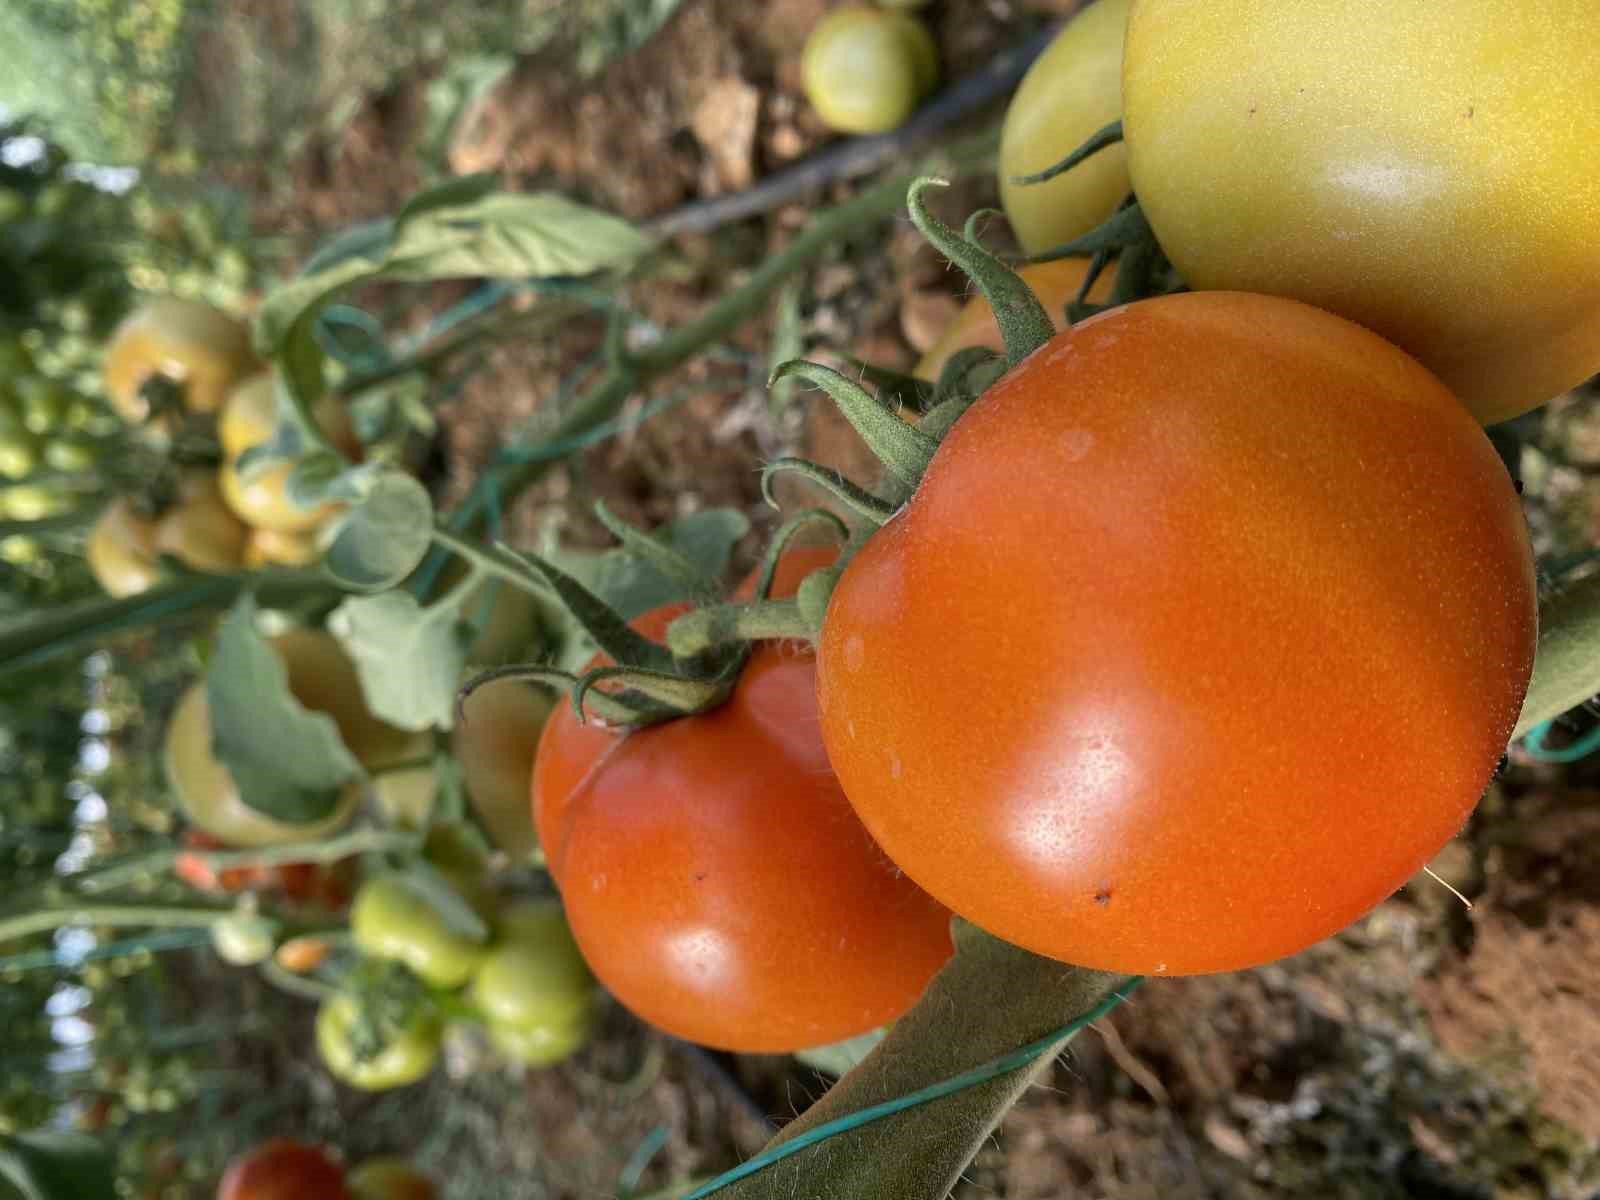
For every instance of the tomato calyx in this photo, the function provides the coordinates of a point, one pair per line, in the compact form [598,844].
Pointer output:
[387,1002]
[645,682]
[1107,135]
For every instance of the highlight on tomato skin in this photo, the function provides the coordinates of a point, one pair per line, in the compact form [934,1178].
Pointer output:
[666,860]
[1224,613]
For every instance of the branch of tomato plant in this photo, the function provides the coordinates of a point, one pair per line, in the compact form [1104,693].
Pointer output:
[1006,998]
[192,915]
[622,379]
[51,633]
[346,845]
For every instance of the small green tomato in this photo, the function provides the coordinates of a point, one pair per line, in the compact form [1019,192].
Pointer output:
[391,918]
[243,938]
[405,1059]
[864,69]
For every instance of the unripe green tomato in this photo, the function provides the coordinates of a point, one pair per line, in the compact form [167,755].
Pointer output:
[391,918]
[1071,91]
[864,69]
[30,502]
[243,938]
[19,454]
[406,1059]
[68,454]
[389,1179]
[542,1045]
[535,974]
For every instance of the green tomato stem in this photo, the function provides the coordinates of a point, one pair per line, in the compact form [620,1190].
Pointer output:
[718,624]
[182,916]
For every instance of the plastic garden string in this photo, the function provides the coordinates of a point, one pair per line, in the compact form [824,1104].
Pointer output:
[992,1069]
[1534,745]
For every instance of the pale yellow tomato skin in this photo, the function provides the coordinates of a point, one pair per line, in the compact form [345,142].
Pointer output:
[210,798]
[193,344]
[864,69]
[251,416]
[1423,169]
[199,530]
[263,499]
[1072,90]
[121,551]
[268,547]
[495,741]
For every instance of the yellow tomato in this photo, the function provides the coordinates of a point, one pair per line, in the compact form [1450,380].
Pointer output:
[121,550]
[210,798]
[1426,170]
[864,69]
[263,500]
[1074,89]
[269,547]
[251,415]
[195,345]
[495,742]
[1055,283]
[199,530]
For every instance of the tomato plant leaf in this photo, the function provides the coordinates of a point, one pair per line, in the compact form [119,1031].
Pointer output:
[287,761]
[510,235]
[43,1165]
[410,658]
[385,535]
[988,1001]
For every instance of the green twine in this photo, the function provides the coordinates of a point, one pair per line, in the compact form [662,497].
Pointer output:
[1017,1059]
[1534,745]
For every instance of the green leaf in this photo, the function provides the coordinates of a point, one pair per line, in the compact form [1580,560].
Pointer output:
[42,1165]
[409,658]
[287,761]
[384,537]
[511,235]
[841,1057]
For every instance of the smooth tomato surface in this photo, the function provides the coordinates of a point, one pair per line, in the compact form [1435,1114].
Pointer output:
[1204,630]
[1423,169]
[714,875]
[282,1169]
[864,69]
[1056,283]
[1072,90]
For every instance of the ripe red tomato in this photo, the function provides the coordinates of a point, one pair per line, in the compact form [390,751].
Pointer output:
[714,876]
[282,1169]
[1204,630]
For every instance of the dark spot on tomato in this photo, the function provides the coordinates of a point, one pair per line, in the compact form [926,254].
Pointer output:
[1103,896]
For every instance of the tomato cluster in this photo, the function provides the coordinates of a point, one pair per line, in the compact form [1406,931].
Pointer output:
[212,521]
[527,984]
